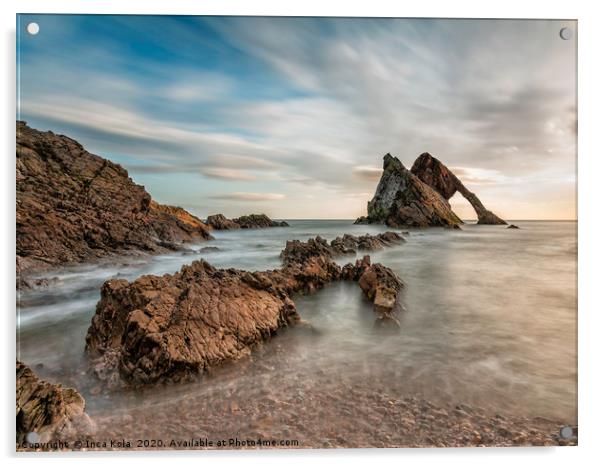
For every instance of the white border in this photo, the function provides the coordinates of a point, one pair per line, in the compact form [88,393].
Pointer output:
[589,173]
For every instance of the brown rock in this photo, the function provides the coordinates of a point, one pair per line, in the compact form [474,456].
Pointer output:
[219,222]
[169,328]
[402,199]
[51,411]
[73,206]
[434,173]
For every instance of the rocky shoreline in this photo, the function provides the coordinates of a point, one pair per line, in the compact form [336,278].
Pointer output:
[154,332]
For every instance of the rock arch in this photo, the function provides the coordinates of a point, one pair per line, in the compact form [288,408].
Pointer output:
[434,173]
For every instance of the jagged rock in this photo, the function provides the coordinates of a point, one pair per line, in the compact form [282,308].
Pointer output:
[513,227]
[402,199]
[258,221]
[73,206]
[220,222]
[174,326]
[434,173]
[160,329]
[350,244]
[382,287]
[51,411]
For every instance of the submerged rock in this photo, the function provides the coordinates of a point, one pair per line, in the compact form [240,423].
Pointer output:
[73,206]
[50,411]
[220,222]
[434,173]
[402,199]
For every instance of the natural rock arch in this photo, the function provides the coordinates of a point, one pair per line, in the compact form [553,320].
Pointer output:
[434,173]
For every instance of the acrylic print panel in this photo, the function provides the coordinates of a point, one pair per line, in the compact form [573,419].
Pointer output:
[249,232]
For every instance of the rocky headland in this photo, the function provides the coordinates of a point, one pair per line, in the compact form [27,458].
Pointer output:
[74,206]
[419,197]
[220,222]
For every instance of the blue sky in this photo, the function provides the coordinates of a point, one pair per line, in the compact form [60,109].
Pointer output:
[291,116]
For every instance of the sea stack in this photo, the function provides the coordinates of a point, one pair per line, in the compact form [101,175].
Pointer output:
[420,197]
[403,200]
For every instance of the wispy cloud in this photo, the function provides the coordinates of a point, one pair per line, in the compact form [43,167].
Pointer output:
[301,102]
[227,174]
[237,196]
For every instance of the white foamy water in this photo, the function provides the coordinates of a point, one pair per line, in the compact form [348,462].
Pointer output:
[490,320]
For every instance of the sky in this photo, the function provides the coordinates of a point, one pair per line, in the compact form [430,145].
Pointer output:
[291,116]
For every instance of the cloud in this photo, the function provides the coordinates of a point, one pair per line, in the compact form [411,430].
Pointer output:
[238,196]
[367,172]
[311,103]
[227,174]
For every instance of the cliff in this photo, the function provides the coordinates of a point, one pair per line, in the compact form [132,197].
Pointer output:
[74,206]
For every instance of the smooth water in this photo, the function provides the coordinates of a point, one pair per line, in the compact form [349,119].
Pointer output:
[490,320]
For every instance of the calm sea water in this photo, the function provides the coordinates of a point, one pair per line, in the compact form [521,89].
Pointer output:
[490,318]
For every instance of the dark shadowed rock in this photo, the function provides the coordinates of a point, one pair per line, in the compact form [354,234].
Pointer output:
[350,244]
[51,411]
[513,227]
[73,206]
[402,199]
[434,173]
[219,222]
[258,221]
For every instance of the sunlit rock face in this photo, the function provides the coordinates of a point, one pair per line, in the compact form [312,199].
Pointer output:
[434,173]
[74,206]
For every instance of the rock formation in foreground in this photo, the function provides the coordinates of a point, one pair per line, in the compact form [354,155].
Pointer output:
[51,411]
[220,222]
[432,172]
[73,206]
[168,328]
[419,197]
[403,200]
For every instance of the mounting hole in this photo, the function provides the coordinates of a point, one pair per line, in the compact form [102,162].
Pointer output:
[566,432]
[32,437]
[33,28]
[566,33]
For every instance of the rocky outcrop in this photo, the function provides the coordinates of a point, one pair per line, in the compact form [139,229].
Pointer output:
[350,244]
[434,173]
[220,222]
[169,328]
[403,200]
[73,206]
[381,286]
[258,221]
[49,411]
[513,227]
